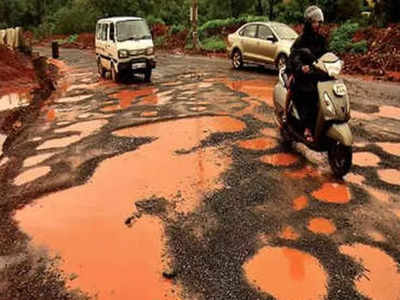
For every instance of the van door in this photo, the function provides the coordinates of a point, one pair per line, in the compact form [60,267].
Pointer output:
[104,38]
[112,43]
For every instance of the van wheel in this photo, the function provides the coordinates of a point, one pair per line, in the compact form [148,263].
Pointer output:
[281,62]
[340,159]
[114,75]
[101,70]
[237,59]
[147,75]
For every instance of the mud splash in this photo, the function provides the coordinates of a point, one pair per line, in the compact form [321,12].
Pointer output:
[333,193]
[380,279]
[275,269]
[93,215]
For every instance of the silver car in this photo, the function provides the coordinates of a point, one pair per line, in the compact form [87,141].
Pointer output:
[261,43]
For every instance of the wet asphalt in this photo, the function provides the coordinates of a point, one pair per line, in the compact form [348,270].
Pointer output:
[255,207]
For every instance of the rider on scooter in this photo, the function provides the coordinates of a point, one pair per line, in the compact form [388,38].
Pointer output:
[302,84]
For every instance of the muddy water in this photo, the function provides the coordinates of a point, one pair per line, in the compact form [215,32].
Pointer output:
[263,143]
[300,203]
[321,226]
[390,176]
[93,215]
[261,89]
[280,159]
[287,274]
[333,193]
[31,175]
[380,279]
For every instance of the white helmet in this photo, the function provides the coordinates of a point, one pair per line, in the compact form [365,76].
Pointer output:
[314,14]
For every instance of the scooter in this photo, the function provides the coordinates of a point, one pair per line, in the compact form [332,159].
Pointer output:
[332,133]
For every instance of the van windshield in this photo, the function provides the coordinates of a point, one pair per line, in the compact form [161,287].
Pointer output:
[132,30]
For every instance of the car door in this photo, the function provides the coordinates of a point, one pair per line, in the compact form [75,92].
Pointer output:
[267,44]
[249,41]
[112,42]
[105,40]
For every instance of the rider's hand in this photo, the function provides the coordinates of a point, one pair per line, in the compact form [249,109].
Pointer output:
[305,69]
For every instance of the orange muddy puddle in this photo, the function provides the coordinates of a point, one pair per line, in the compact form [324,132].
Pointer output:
[271,132]
[289,234]
[307,171]
[148,114]
[31,175]
[391,148]
[300,203]
[261,89]
[390,176]
[280,159]
[85,224]
[126,97]
[287,274]
[51,115]
[362,116]
[333,193]
[381,279]
[262,143]
[376,236]
[37,159]
[321,225]
[390,112]
[366,159]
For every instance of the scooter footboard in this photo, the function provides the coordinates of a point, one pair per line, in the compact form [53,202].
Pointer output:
[341,133]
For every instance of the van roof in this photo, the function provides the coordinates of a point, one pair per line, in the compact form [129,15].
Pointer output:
[119,19]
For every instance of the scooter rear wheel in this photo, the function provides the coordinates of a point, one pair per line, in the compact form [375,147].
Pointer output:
[340,159]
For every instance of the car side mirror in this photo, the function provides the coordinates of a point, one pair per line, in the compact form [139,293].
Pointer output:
[271,38]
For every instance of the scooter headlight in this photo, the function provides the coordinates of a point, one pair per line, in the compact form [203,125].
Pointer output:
[329,105]
[123,53]
[335,68]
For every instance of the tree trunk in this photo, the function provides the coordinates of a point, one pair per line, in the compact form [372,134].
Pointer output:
[196,44]
[271,9]
[259,8]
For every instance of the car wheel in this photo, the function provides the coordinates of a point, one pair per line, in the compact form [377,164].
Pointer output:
[237,59]
[147,75]
[281,62]
[114,75]
[101,70]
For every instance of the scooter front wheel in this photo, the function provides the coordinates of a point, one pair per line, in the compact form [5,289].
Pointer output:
[340,159]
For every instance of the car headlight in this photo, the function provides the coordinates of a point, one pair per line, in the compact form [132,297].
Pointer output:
[123,53]
[150,51]
[329,105]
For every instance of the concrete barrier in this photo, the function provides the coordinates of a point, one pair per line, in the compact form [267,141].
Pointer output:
[12,37]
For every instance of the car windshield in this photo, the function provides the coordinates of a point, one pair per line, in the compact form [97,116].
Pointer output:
[284,32]
[132,30]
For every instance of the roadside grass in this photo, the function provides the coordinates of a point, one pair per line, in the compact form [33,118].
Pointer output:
[213,43]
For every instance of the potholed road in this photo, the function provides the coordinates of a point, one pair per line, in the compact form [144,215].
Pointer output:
[179,189]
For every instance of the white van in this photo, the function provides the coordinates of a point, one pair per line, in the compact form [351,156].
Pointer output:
[124,45]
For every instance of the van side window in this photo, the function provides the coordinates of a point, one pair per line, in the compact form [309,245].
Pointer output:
[104,32]
[112,32]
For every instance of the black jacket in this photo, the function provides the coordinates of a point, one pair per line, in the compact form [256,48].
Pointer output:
[316,43]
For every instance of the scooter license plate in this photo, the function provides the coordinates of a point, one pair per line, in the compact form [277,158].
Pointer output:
[138,66]
[340,89]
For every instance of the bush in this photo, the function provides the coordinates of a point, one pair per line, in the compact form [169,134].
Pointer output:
[174,29]
[151,20]
[159,41]
[341,37]
[213,43]
[359,47]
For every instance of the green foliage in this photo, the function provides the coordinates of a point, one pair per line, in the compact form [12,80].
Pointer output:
[341,39]
[359,47]
[176,28]
[213,43]
[151,20]
[159,41]
[213,27]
